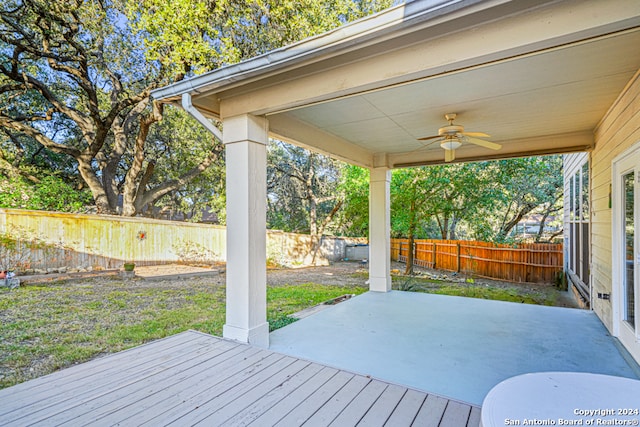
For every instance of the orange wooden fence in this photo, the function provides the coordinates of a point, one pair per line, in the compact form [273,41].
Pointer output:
[529,262]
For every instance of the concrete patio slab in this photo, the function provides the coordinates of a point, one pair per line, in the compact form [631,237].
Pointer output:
[453,346]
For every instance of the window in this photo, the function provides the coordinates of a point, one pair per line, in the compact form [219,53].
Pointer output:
[571,198]
[584,190]
[578,229]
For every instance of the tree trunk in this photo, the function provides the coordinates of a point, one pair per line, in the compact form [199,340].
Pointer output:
[541,227]
[550,209]
[317,239]
[452,228]
[132,178]
[508,226]
[103,204]
[411,235]
[444,228]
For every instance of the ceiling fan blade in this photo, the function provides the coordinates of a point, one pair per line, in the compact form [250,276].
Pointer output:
[485,144]
[429,137]
[476,134]
[449,155]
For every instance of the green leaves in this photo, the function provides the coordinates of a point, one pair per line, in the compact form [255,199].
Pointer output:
[482,201]
[354,214]
[75,79]
[189,36]
[51,193]
[301,189]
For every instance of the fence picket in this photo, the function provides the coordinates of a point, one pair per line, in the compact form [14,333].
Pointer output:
[526,262]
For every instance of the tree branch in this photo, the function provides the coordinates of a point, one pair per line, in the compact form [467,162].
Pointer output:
[39,137]
[163,189]
[8,166]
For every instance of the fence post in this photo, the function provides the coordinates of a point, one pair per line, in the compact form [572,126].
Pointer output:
[434,255]
[458,257]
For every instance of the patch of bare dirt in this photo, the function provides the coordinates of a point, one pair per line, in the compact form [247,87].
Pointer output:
[340,273]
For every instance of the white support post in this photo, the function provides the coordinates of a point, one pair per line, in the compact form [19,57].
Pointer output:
[245,139]
[379,230]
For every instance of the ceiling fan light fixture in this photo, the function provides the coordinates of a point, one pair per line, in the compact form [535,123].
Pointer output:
[451,144]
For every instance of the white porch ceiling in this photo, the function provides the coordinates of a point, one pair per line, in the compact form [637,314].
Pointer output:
[538,76]
[529,103]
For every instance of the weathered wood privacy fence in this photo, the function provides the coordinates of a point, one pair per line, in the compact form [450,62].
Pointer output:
[44,240]
[530,262]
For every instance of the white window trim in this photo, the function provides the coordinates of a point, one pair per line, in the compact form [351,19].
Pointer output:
[617,219]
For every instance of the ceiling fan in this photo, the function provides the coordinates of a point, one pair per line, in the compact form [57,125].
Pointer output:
[452,136]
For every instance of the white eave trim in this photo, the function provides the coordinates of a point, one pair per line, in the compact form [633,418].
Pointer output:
[358,32]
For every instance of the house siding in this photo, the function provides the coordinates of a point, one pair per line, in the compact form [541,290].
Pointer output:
[618,131]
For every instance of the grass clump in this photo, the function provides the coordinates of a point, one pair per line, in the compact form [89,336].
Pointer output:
[288,299]
[468,288]
[498,294]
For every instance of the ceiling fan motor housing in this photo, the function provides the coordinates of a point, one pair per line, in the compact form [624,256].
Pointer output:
[450,130]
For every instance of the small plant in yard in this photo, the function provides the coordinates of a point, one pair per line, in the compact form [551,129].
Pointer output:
[408,285]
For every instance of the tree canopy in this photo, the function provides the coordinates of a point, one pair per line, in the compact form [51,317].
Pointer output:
[301,189]
[482,201]
[75,79]
[77,123]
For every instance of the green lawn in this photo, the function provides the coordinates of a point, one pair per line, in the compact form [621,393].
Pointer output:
[47,327]
[541,295]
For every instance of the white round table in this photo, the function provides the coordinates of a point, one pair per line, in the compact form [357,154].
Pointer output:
[563,398]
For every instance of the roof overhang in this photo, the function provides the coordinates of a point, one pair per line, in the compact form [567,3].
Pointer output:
[537,76]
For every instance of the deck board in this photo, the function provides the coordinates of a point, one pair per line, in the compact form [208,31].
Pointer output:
[272,382]
[431,412]
[309,406]
[209,400]
[407,409]
[269,400]
[80,385]
[456,414]
[151,391]
[274,414]
[101,368]
[329,411]
[179,402]
[106,399]
[381,410]
[193,378]
[359,406]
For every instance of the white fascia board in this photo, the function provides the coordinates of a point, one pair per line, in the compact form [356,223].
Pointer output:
[293,131]
[347,36]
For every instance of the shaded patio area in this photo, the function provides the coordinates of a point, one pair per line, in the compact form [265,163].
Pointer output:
[452,346]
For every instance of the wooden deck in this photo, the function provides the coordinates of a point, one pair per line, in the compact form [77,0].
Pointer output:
[193,378]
